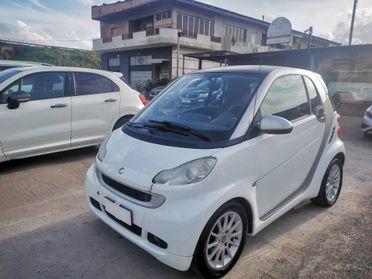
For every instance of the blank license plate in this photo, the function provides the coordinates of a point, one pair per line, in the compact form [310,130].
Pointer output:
[119,212]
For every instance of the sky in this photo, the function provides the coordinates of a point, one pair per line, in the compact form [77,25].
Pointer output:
[68,22]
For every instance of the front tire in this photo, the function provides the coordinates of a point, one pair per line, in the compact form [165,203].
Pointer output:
[331,184]
[222,241]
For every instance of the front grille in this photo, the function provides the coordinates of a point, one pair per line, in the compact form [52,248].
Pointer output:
[133,228]
[129,191]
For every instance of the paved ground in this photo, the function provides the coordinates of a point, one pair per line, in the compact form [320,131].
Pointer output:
[46,230]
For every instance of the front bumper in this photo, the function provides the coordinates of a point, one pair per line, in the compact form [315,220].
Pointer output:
[366,124]
[181,238]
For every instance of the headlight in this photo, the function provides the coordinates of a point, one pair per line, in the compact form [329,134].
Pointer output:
[102,150]
[369,112]
[191,172]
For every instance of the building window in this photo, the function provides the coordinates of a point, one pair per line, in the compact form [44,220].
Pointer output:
[163,15]
[191,25]
[141,60]
[114,31]
[263,39]
[114,62]
[236,34]
[139,78]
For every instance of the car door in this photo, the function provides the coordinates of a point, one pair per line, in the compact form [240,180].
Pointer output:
[95,106]
[41,124]
[286,160]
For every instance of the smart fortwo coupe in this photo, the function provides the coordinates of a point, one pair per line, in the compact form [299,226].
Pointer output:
[187,181]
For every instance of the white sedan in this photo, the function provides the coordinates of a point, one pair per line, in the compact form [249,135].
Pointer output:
[50,109]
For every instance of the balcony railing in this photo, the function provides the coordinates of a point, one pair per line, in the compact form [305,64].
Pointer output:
[107,40]
[152,32]
[156,37]
[216,39]
[127,36]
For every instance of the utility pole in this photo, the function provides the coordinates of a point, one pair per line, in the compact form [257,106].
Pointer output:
[352,22]
[310,40]
[179,34]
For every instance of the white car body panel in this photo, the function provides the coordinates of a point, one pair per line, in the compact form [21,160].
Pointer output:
[92,116]
[269,173]
[123,148]
[285,160]
[35,128]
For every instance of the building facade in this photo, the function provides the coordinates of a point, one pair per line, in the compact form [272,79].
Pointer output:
[149,39]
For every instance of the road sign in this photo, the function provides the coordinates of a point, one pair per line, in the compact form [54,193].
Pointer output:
[279,32]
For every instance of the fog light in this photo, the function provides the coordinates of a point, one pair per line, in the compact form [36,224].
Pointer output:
[156,240]
[95,204]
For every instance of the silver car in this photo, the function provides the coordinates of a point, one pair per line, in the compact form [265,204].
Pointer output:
[367,121]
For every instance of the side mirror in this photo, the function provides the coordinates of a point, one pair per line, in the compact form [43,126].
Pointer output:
[319,113]
[15,99]
[271,124]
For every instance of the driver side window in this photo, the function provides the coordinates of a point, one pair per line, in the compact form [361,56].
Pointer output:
[286,98]
[40,86]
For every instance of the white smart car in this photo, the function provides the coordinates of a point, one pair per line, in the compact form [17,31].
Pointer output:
[188,181]
[50,109]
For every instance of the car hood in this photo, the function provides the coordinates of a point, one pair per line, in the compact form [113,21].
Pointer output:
[142,160]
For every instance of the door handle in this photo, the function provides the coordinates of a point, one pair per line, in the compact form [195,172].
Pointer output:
[59,106]
[110,100]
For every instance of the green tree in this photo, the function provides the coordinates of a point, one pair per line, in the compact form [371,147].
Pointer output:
[59,56]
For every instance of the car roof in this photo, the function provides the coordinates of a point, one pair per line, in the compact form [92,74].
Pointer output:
[253,69]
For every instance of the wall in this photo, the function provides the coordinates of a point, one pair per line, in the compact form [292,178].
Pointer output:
[122,22]
[157,53]
[254,31]
[191,64]
[98,11]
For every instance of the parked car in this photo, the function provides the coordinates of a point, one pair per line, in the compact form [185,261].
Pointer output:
[367,121]
[8,64]
[49,109]
[155,91]
[208,175]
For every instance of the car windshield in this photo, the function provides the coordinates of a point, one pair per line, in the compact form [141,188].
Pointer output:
[201,107]
[4,75]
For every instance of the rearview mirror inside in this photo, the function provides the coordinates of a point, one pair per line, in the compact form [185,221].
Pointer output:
[271,124]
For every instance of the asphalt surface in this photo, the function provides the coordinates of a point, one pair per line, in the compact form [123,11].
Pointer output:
[47,231]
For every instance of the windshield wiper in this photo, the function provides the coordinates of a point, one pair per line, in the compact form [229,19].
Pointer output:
[170,127]
[180,128]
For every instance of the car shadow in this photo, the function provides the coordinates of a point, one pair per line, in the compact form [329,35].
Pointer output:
[81,247]
[84,246]
[295,217]
[63,157]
